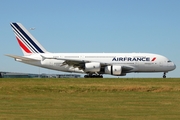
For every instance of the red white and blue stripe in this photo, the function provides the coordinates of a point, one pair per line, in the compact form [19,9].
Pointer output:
[27,42]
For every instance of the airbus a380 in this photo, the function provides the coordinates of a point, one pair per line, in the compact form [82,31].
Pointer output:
[92,64]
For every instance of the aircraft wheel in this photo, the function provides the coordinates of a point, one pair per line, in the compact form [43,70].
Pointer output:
[93,76]
[86,76]
[164,76]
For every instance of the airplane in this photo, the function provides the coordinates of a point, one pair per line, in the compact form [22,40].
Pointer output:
[93,65]
[33,28]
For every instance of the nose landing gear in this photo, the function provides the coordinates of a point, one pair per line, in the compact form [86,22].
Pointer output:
[164,75]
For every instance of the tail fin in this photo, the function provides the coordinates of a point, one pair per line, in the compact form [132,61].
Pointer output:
[27,42]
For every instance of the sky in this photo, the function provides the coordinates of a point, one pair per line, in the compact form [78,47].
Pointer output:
[93,26]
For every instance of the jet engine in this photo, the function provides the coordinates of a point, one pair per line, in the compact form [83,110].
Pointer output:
[92,67]
[113,70]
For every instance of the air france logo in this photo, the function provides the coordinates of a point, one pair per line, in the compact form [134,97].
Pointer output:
[133,59]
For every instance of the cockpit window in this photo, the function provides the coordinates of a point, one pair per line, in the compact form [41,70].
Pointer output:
[169,61]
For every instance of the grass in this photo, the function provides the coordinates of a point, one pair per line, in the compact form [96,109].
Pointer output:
[90,99]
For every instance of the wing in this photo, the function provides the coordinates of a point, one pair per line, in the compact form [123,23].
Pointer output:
[76,63]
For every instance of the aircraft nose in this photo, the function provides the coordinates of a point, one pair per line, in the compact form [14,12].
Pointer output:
[174,66]
[171,66]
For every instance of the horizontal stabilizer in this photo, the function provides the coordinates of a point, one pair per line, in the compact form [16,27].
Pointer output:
[21,58]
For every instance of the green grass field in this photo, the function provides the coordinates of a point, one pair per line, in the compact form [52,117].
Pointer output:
[90,99]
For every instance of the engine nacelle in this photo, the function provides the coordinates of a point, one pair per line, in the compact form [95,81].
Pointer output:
[92,67]
[113,70]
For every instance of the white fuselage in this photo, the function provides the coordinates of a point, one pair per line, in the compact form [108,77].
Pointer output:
[140,62]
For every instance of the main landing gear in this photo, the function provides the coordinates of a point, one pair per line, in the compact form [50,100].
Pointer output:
[93,76]
[164,75]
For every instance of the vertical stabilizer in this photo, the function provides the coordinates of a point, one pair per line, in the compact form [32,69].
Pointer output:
[27,42]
